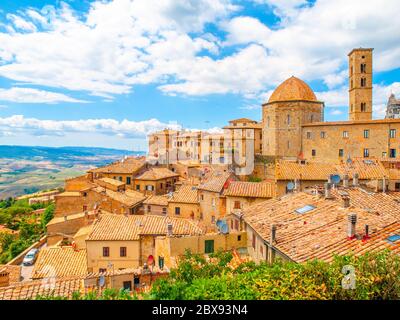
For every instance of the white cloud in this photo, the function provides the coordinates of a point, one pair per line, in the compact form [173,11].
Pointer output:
[29,95]
[381,93]
[124,128]
[21,23]
[336,112]
[118,44]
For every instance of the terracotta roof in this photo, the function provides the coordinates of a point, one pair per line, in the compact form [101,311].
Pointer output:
[129,165]
[14,272]
[129,198]
[293,89]
[113,182]
[290,170]
[366,169]
[63,287]
[249,189]
[121,227]
[185,194]
[300,236]
[156,174]
[216,181]
[378,241]
[157,200]
[242,120]
[60,262]
[61,219]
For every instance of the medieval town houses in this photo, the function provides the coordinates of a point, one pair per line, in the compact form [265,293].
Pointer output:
[292,187]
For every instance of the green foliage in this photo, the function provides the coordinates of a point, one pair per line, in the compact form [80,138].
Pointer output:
[107,294]
[17,215]
[47,215]
[254,179]
[377,277]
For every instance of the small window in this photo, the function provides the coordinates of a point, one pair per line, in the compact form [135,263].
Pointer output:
[239,238]
[128,180]
[122,251]
[366,134]
[363,107]
[363,68]
[363,82]
[366,153]
[313,152]
[120,179]
[309,135]
[127,285]
[345,134]
[392,153]
[384,154]
[138,187]
[164,210]
[106,251]
[392,133]
[253,240]
[201,197]
[177,211]
[397,186]
[148,208]
[323,134]
[237,205]
[288,119]
[208,246]
[161,185]
[341,153]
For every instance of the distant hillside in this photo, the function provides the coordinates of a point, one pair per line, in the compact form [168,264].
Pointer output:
[25,170]
[51,153]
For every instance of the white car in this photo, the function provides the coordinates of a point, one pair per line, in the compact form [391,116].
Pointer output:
[30,257]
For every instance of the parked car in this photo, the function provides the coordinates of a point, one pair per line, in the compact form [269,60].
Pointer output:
[30,257]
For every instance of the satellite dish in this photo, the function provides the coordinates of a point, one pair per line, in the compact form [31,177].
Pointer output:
[102,281]
[335,178]
[290,186]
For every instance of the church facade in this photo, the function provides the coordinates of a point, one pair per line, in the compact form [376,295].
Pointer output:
[294,126]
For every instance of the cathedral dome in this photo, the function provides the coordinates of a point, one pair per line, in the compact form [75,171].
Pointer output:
[293,89]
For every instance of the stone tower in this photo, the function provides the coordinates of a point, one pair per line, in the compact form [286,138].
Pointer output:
[292,104]
[360,84]
[393,108]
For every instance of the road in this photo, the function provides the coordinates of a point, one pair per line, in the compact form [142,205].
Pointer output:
[26,271]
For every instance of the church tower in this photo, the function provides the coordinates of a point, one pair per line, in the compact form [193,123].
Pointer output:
[360,84]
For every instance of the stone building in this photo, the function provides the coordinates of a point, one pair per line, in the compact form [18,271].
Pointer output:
[393,108]
[292,105]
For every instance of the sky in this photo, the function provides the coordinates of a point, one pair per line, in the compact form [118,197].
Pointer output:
[107,73]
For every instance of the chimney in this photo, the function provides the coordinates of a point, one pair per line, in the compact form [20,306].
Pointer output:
[384,185]
[169,229]
[346,181]
[366,236]
[328,187]
[330,179]
[296,185]
[355,179]
[346,201]
[273,234]
[352,225]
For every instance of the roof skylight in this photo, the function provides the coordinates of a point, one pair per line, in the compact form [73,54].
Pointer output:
[305,209]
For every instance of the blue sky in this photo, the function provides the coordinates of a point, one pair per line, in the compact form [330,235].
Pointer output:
[106,73]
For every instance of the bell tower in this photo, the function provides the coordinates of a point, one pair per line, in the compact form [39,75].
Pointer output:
[360,84]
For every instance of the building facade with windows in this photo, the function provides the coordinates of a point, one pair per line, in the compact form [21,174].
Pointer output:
[293,121]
